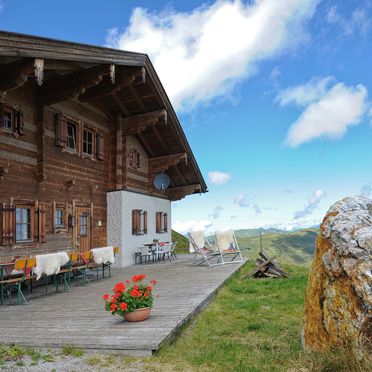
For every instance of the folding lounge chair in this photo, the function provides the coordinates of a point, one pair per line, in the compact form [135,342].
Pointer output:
[200,245]
[228,246]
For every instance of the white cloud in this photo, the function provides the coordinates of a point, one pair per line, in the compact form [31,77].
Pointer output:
[311,205]
[242,200]
[328,112]
[216,212]
[356,22]
[191,225]
[218,178]
[202,54]
[304,94]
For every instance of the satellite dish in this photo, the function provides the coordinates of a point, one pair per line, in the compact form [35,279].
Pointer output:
[161,181]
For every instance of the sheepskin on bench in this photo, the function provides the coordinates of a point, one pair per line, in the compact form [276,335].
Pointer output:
[103,255]
[50,263]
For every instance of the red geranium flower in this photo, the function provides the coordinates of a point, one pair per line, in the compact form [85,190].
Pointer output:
[106,297]
[127,281]
[145,294]
[138,278]
[123,306]
[149,288]
[119,287]
[153,282]
[135,293]
[113,307]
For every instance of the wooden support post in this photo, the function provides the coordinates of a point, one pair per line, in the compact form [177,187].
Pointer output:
[40,140]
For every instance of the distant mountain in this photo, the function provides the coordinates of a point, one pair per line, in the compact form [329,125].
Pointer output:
[243,233]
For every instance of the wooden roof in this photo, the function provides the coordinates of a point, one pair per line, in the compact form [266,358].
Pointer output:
[84,72]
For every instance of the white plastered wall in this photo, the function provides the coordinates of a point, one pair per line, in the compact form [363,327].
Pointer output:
[120,205]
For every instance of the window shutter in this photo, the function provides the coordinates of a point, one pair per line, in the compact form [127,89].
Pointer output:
[41,217]
[158,222]
[61,130]
[145,222]
[135,221]
[165,227]
[19,122]
[100,148]
[8,225]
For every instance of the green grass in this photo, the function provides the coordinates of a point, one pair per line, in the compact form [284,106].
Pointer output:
[182,242]
[72,351]
[253,325]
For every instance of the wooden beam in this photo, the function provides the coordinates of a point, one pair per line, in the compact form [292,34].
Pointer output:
[120,104]
[162,163]
[177,193]
[123,78]
[138,123]
[14,74]
[64,87]
[160,139]
[137,98]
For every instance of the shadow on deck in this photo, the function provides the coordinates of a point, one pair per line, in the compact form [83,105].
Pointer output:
[78,318]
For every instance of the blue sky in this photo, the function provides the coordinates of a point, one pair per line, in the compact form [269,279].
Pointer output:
[274,97]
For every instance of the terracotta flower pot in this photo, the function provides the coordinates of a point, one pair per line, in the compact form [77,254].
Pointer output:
[138,315]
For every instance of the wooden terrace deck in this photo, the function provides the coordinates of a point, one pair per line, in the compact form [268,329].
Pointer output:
[77,317]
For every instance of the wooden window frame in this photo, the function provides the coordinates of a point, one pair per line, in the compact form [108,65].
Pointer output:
[63,207]
[60,217]
[70,122]
[161,222]
[31,207]
[139,222]
[12,129]
[94,149]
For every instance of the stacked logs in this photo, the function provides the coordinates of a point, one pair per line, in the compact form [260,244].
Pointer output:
[267,268]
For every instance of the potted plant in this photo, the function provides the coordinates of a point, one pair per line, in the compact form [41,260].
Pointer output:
[132,300]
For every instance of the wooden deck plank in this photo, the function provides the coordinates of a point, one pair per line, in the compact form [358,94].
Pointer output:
[77,317]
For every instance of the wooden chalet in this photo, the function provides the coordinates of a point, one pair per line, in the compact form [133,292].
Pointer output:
[83,132]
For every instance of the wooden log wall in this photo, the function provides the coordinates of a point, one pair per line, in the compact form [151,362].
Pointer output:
[34,169]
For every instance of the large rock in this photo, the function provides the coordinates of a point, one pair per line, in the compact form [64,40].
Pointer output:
[338,310]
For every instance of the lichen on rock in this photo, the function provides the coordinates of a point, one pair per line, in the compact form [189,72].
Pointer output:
[338,309]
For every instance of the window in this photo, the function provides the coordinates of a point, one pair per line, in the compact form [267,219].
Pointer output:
[88,142]
[71,135]
[11,119]
[83,225]
[139,222]
[8,119]
[59,218]
[161,222]
[23,224]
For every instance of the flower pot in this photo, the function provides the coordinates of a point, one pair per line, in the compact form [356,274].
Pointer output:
[138,315]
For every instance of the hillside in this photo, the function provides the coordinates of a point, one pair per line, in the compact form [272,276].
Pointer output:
[295,247]
[182,242]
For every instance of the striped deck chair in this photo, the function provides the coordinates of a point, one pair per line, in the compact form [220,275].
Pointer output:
[199,245]
[228,246]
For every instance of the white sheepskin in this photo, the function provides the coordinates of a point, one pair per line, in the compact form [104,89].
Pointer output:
[50,263]
[103,255]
